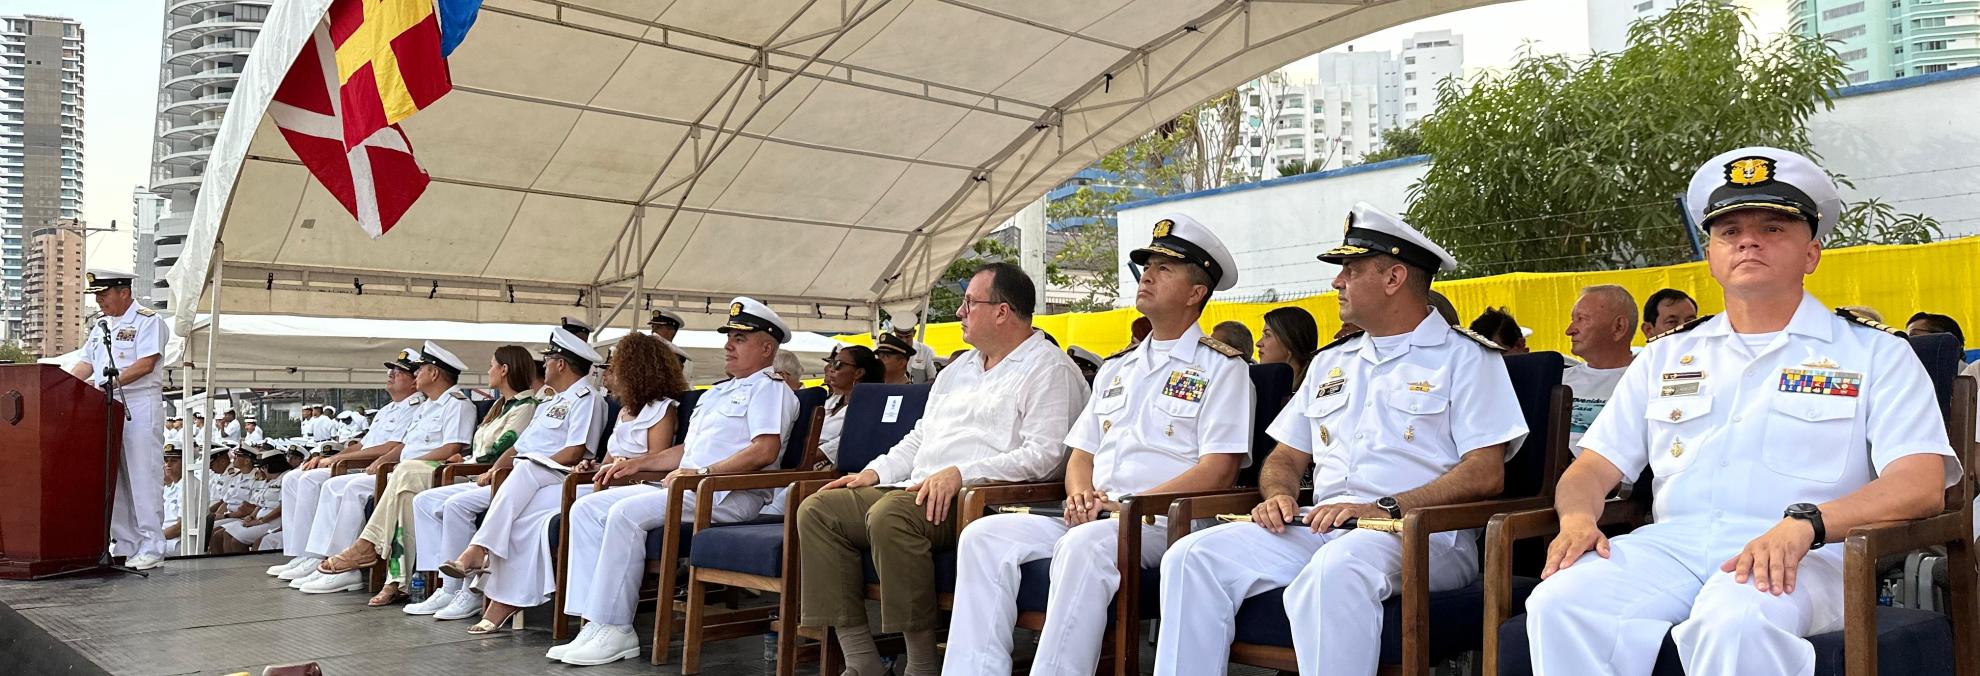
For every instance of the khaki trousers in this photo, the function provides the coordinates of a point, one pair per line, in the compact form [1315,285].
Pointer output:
[394,507]
[835,525]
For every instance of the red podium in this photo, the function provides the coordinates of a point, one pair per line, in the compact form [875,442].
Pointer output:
[51,470]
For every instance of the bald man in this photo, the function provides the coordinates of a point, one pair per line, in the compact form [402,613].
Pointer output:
[1600,328]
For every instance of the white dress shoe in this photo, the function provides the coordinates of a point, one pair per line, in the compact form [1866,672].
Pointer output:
[432,604]
[466,604]
[144,562]
[280,568]
[306,579]
[350,580]
[611,644]
[589,632]
[301,570]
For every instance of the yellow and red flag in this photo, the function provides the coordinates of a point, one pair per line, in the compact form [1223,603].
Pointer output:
[369,65]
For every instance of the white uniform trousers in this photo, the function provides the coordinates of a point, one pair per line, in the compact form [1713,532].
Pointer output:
[250,535]
[1609,616]
[1085,576]
[137,513]
[609,528]
[1335,585]
[340,513]
[524,573]
[300,491]
[443,522]
[270,542]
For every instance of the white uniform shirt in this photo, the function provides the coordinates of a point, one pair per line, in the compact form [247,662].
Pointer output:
[1005,424]
[175,496]
[136,334]
[734,412]
[1159,408]
[560,422]
[253,437]
[266,496]
[1381,424]
[232,432]
[448,419]
[629,436]
[1736,436]
[393,421]
[921,365]
[1592,388]
[357,426]
[833,427]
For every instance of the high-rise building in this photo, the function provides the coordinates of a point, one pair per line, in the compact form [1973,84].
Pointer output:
[206,43]
[147,208]
[1331,108]
[1609,20]
[53,280]
[41,144]
[1880,40]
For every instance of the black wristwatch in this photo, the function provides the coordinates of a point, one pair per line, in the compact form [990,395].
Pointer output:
[1390,505]
[1813,515]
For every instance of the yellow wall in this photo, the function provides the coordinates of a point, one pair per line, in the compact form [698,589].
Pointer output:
[1896,280]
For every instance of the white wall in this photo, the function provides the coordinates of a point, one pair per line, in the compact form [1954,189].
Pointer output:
[1274,229]
[1907,142]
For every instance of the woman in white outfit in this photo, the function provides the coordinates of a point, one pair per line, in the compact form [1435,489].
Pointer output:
[243,534]
[849,366]
[519,380]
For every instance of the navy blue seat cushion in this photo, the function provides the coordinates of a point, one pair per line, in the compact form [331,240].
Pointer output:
[1035,588]
[1456,620]
[1912,642]
[754,549]
[945,570]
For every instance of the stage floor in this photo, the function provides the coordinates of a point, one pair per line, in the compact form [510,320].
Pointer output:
[223,616]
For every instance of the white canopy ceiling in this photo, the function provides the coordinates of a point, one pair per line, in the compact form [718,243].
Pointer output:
[315,352]
[827,157]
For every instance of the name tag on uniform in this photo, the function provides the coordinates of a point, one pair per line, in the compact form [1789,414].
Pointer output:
[559,411]
[1680,389]
[1187,385]
[1821,381]
[1681,383]
[1330,388]
[1114,389]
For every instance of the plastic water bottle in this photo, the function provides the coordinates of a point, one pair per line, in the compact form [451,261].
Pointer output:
[770,647]
[417,589]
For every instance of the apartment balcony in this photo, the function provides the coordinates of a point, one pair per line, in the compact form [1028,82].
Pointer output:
[189,58]
[190,106]
[165,183]
[187,33]
[193,132]
[211,76]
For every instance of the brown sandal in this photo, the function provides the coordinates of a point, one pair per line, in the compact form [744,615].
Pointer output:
[340,564]
[390,595]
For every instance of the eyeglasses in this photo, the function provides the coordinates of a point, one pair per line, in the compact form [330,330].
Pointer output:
[964,308]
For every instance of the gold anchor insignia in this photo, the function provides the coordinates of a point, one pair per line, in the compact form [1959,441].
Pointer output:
[1684,359]
[1106,425]
[1409,433]
[1325,436]
[1171,431]
[1677,448]
[735,309]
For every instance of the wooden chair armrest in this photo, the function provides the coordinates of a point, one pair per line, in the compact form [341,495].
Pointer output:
[743,481]
[1186,510]
[974,501]
[501,474]
[1867,543]
[1149,505]
[1884,538]
[343,466]
[637,477]
[1417,526]
[446,474]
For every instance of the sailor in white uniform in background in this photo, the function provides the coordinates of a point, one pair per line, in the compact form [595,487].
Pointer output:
[130,338]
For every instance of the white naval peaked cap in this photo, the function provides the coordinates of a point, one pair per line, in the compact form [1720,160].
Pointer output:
[567,344]
[1185,239]
[1083,355]
[1372,231]
[746,314]
[577,327]
[103,280]
[665,316]
[1759,177]
[439,356]
[408,360]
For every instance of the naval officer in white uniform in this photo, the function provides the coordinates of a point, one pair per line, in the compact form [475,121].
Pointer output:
[1412,413]
[129,338]
[1771,430]
[1170,414]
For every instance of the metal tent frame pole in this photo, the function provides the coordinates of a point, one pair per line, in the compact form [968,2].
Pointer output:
[192,509]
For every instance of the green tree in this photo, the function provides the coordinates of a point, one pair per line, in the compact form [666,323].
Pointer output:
[13,352]
[1565,163]
[1088,262]
[948,291]
[1295,167]
[1397,143]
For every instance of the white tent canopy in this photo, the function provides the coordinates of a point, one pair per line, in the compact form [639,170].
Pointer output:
[624,155]
[314,352]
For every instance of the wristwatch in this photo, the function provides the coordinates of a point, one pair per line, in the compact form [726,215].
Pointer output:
[700,470]
[1813,515]
[1390,505]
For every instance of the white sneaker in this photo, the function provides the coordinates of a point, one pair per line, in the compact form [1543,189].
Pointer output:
[298,583]
[305,568]
[432,604]
[144,561]
[466,604]
[350,580]
[611,644]
[589,632]
[280,568]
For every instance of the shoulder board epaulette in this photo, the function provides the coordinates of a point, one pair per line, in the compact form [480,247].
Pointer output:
[1220,347]
[457,394]
[1122,353]
[1339,342]
[586,392]
[1860,320]
[145,311]
[1687,326]
[779,377]
[1481,340]
[718,382]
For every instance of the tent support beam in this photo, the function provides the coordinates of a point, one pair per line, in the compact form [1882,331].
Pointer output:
[193,509]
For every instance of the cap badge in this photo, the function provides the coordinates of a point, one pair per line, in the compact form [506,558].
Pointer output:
[1349,225]
[1750,171]
[1164,227]
[735,309]
[91,276]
